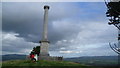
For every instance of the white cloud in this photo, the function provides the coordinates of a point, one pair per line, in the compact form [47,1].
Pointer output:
[62,48]
[85,33]
[66,51]
[91,38]
[64,40]
[10,36]
[70,52]
[13,44]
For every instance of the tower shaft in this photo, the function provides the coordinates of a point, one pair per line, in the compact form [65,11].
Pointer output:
[44,43]
[45,24]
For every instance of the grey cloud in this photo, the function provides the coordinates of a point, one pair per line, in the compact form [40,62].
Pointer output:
[27,19]
[12,43]
[88,50]
[87,34]
[67,21]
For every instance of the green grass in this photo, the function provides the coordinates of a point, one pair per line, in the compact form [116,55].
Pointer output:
[43,64]
[39,63]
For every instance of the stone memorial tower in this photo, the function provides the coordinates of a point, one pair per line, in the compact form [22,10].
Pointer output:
[44,43]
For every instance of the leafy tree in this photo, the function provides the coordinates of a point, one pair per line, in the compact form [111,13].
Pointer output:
[36,50]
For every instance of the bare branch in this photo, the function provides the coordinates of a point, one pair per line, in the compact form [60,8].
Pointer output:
[115,49]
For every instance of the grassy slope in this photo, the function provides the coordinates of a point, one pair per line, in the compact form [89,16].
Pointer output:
[39,63]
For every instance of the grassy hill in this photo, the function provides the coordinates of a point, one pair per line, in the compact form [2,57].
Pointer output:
[39,63]
[86,62]
[45,64]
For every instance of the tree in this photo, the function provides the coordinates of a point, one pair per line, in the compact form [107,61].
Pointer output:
[36,50]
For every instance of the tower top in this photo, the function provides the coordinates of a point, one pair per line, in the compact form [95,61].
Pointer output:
[46,6]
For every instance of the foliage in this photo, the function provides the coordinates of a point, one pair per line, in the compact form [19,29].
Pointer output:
[36,50]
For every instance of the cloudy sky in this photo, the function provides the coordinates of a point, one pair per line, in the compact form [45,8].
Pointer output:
[75,28]
[54,0]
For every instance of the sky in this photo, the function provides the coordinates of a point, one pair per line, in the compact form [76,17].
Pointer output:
[52,0]
[58,0]
[74,28]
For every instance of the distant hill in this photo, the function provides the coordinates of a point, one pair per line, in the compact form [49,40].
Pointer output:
[95,60]
[13,57]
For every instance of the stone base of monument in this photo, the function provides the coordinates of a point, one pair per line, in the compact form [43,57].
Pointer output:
[50,58]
